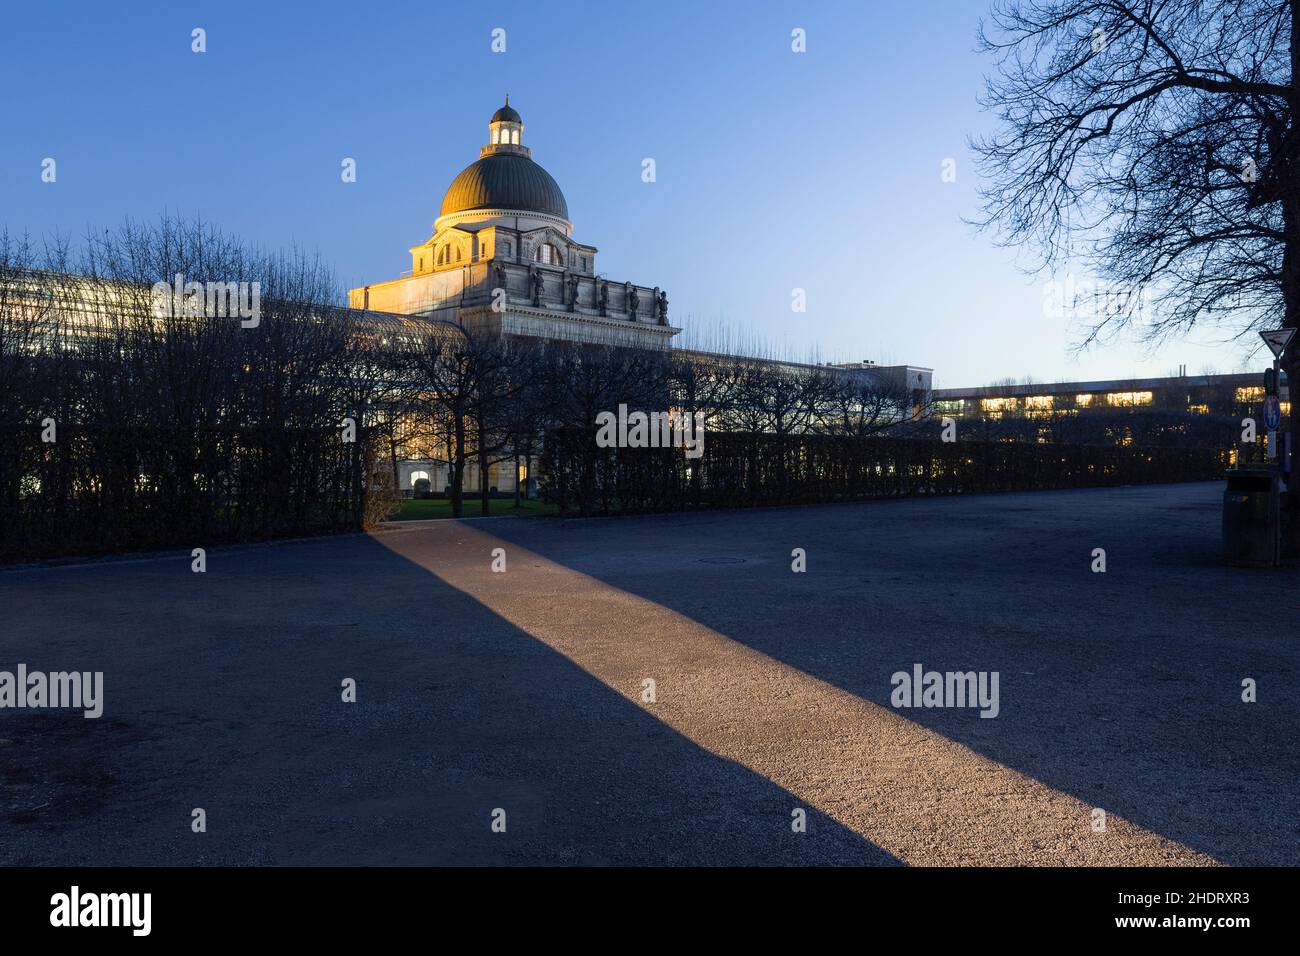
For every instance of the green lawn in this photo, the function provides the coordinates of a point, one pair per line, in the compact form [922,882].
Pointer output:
[418,509]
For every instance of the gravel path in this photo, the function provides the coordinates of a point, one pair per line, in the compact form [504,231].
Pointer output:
[523,691]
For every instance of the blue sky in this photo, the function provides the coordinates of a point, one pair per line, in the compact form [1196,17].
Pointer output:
[775,170]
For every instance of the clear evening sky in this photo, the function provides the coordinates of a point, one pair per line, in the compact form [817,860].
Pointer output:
[775,170]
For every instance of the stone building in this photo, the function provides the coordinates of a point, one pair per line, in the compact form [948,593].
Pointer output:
[1236,395]
[1180,410]
[502,259]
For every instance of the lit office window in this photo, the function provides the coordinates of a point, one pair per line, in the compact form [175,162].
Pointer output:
[1128,399]
[998,405]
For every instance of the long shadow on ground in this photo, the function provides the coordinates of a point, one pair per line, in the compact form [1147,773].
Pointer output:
[1122,688]
[223,693]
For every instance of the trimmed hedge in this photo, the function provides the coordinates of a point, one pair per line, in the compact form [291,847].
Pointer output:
[118,489]
[754,469]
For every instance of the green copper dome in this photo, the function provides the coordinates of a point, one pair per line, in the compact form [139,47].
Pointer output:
[505,180]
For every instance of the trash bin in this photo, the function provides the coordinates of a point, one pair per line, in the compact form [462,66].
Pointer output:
[1252,517]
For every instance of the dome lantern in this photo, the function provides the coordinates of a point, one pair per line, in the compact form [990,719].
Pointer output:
[504,180]
[506,128]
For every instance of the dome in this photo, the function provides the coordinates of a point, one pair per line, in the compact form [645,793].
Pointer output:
[507,114]
[505,180]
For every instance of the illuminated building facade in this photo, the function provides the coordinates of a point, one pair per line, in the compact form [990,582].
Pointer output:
[1186,410]
[503,260]
[1237,394]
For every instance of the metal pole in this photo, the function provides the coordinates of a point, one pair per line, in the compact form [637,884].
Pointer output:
[1272,432]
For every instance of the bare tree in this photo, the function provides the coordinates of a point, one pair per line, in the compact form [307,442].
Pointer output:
[442,384]
[175,422]
[1155,143]
[505,379]
[526,416]
[776,399]
[858,406]
[585,380]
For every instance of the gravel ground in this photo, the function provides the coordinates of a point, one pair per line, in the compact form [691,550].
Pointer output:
[523,691]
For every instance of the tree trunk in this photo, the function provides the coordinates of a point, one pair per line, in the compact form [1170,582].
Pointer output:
[482,456]
[392,447]
[1290,360]
[458,470]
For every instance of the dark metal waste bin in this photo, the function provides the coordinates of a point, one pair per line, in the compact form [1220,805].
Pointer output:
[1252,517]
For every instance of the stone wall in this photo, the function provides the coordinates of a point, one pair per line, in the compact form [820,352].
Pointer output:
[465,295]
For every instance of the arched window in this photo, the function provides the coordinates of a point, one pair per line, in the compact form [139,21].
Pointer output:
[439,257]
[458,253]
[547,254]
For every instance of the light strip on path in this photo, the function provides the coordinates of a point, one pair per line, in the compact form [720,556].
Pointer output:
[912,792]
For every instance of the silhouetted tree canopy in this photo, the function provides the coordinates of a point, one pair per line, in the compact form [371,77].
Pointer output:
[1153,143]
